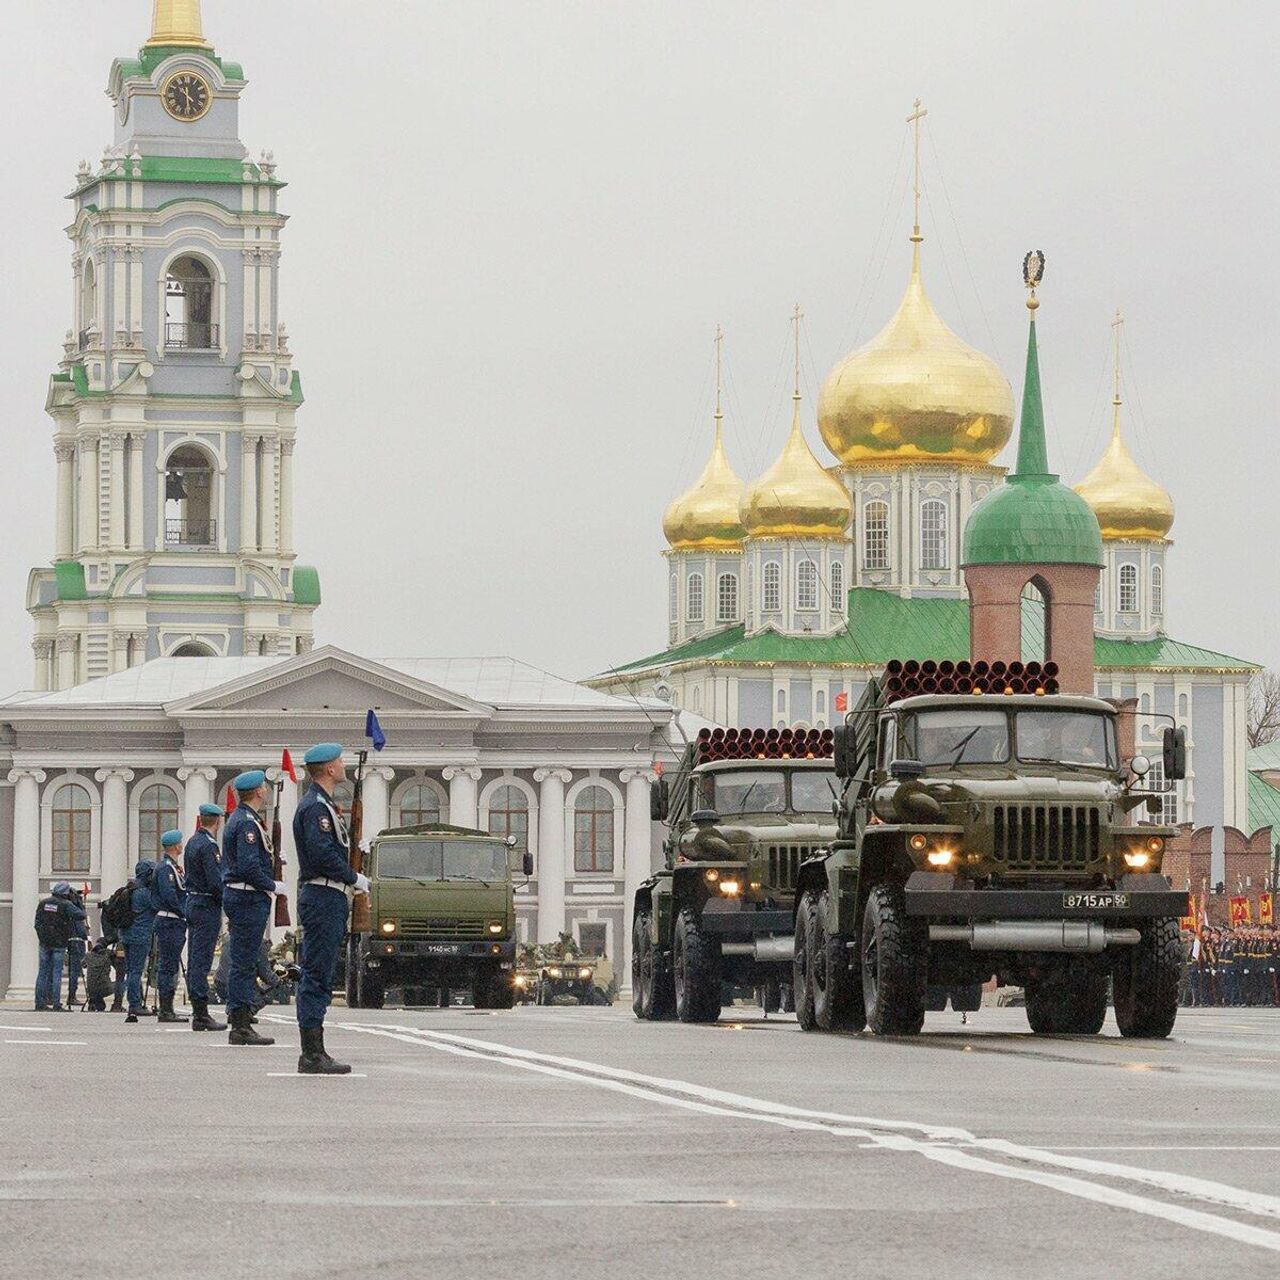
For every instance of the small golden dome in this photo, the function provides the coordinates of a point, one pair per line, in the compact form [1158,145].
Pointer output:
[797,497]
[706,517]
[916,393]
[1128,502]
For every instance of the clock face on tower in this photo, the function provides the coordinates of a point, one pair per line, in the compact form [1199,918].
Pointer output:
[186,95]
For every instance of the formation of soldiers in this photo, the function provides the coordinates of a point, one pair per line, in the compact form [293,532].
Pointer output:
[1238,967]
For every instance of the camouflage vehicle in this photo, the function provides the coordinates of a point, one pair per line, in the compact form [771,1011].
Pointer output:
[571,978]
[442,914]
[985,837]
[526,985]
[744,810]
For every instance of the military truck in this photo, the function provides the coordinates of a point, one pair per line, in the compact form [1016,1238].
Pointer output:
[989,828]
[442,914]
[570,978]
[744,809]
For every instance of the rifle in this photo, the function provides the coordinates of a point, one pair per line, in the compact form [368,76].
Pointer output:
[277,860]
[355,854]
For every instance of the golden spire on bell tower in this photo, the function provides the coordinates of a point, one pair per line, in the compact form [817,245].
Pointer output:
[177,22]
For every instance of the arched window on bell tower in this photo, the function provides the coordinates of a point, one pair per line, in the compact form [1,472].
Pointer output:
[189,314]
[188,493]
[88,301]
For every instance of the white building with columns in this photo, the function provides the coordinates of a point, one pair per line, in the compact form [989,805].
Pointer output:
[97,772]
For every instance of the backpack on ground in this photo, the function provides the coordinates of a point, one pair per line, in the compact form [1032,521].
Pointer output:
[117,911]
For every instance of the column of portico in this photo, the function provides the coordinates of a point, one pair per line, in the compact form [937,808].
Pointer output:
[286,496]
[43,650]
[24,955]
[637,854]
[377,809]
[87,533]
[267,496]
[115,441]
[197,789]
[65,532]
[551,856]
[65,648]
[116,863]
[136,534]
[249,492]
[463,808]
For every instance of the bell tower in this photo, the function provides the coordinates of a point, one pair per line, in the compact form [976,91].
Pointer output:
[175,404]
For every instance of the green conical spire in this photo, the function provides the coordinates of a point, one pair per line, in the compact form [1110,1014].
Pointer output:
[1033,456]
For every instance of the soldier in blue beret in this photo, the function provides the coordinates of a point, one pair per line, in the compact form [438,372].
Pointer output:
[170,891]
[203,863]
[324,877]
[248,888]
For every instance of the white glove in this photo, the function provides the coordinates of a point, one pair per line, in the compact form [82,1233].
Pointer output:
[281,887]
[362,883]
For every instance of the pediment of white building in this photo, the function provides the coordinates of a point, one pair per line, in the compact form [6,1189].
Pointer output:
[328,680]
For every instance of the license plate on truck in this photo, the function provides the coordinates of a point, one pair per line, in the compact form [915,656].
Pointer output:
[441,948]
[1095,900]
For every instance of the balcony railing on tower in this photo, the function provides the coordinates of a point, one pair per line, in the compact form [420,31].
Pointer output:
[190,336]
[190,533]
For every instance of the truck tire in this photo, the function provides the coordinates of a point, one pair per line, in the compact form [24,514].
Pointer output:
[968,999]
[893,965]
[501,993]
[652,992]
[353,966]
[480,986]
[801,985]
[1146,978]
[640,991]
[696,971]
[837,994]
[371,991]
[1071,1003]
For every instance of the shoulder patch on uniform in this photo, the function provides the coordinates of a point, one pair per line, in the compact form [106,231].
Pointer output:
[250,837]
[325,824]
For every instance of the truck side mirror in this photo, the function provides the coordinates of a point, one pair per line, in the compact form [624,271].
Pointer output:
[906,769]
[659,801]
[1175,755]
[526,863]
[840,750]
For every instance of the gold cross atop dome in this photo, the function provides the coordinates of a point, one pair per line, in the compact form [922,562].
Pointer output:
[918,113]
[177,22]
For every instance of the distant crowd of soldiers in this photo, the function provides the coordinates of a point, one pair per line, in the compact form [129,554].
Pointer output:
[1238,967]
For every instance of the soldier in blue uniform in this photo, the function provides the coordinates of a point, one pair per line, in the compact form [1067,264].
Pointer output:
[247,893]
[324,877]
[137,937]
[171,922]
[203,863]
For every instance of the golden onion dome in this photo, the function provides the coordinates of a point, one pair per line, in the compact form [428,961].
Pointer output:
[916,393]
[1129,504]
[706,517]
[797,496]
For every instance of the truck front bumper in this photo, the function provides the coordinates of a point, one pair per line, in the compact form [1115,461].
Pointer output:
[411,948]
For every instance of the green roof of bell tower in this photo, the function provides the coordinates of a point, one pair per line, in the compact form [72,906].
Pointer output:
[1033,518]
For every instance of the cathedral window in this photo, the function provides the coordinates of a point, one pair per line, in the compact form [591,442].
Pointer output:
[837,586]
[875,535]
[933,535]
[1128,599]
[188,492]
[727,598]
[593,830]
[188,307]
[1157,589]
[673,604]
[72,814]
[806,585]
[88,302]
[1154,781]
[693,612]
[772,588]
[157,813]
[509,816]
[419,805]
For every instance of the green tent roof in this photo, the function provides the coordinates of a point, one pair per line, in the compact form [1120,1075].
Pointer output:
[306,584]
[68,576]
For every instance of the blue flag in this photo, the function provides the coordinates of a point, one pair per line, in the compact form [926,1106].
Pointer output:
[373,731]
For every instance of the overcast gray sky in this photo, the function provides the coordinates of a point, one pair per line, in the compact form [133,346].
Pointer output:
[515,227]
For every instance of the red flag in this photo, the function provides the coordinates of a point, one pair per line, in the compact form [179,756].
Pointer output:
[231,800]
[842,702]
[286,765]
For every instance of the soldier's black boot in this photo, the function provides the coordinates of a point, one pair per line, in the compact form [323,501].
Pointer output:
[242,1033]
[132,1016]
[201,1020]
[166,1011]
[314,1060]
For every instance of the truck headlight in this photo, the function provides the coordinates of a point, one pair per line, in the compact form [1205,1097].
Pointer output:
[1136,859]
[521,980]
[730,888]
[553,973]
[918,842]
[388,926]
[1155,845]
[941,857]
[496,927]
[584,973]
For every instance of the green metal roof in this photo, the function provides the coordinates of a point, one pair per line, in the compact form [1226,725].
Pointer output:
[151,56]
[218,170]
[1264,808]
[1033,518]
[306,584]
[1265,757]
[68,576]
[882,625]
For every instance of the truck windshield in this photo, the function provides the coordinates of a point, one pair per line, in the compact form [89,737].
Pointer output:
[813,790]
[963,736]
[442,860]
[746,791]
[1067,737]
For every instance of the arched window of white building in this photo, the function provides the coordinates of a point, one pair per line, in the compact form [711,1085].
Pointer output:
[1097,595]
[72,814]
[157,813]
[837,586]
[727,598]
[782,702]
[509,815]
[933,534]
[188,499]
[1128,601]
[593,830]
[88,301]
[1157,589]
[673,604]
[693,611]
[772,591]
[806,585]
[189,322]
[419,806]
[875,535]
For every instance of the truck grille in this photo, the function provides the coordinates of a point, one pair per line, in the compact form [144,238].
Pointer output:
[1040,837]
[784,863]
[421,928]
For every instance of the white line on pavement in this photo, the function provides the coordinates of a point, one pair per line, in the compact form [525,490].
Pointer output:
[81,1043]
[937,1146]
[6,1027]
[311,1075]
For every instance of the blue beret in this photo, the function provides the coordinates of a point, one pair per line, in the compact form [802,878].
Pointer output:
[322,753]
[212,811]
[170,838]
[250,780]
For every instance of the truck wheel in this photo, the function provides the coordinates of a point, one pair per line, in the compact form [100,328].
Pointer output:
[353,968]
[641,988]
[1146,978]
[502,993]
[801,965]
[837,994]
[480,986]
[696,966]
[968,999]
[371,992]
[893,966]
[1071,1003]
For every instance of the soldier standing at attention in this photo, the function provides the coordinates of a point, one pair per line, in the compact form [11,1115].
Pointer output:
[203,863]
[248,889]
[324,875]
[171,922]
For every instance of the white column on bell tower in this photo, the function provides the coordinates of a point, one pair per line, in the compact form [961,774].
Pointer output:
[65,533]
[87,536]
[249,492]
[286,496]
[116,442]
[135,492]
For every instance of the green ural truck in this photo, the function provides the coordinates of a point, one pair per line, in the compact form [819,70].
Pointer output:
[743,812]
[990,836]
[441,914]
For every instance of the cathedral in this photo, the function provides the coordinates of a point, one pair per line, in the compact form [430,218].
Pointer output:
[786,593]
